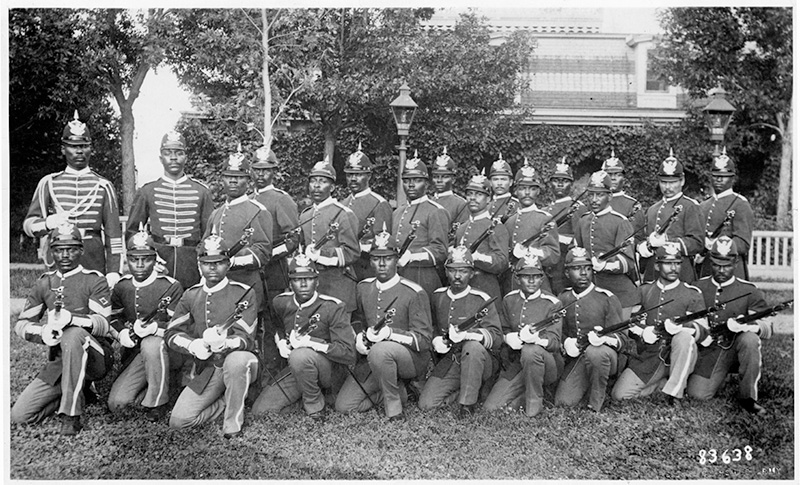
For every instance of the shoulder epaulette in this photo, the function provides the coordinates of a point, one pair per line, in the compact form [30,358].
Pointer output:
[550,297]
[258,204]
[627,196]
[94,272]
[512,292]
[342,206]
[482,294]
[436,204]
[542,211]
[441,290]
[240,284]
[587,214]
[198,182]
[367,281]
[412,285]
[612,211]
[47,274]
[126,277]
[691,200]
[286,293]
[167,277]
[740,196]
[740,280]
[330,298]
[378,196]
[603,291]
[692,287]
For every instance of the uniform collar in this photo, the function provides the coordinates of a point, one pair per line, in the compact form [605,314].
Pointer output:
[385,286]
[363,193]
[219,286]
[724,193]
[422,199]
[563,199]
[530,208]
[268,187]
[176,181]
[603,212]
[482,215]
[237,201]
[504,196]
[674,197]
[147,281]
[725,283]
[532,296]
[585,292]
[306,304]
[72,272]
[670,286]
[72,171]
[458,296]
[443,194]
[618,194]
[330,200]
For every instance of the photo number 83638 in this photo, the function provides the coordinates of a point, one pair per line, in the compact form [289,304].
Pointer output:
[726,456]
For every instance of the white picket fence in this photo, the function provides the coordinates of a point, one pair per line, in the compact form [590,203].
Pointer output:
[771,255]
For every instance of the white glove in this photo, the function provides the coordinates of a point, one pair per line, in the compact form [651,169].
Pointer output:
[439,345]
[474,336]
[485,258]
[699,258]
[656,240]
[112,279]
[54,220]
[379,336]
[160,266]
[649,335]
[125,338]
[707,341]
[598,265]
[361,345]
[215,341]
[280,250]
[737,327]
[454,335]
[519,251]
[365,247]
[298,341]
[64,319]
[404,259]
[142,330]
[571,347]
[313,254]
[512,340]
[283,346]
[526,335]
[710,242]
[595,339]
[199,349]
[643,250]
[636,330]
[673,329]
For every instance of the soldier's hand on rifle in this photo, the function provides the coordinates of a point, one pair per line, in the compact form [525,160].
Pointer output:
[361,345]
[112,279]
[142,330]
[125,338]
[54,220]
[199,349]
[736,327]
[454,335]
[312,253]
[571,347]
[485,258]
[299,341]
[710,242]
[64,318]
[404,259]
[215,341]
[365,244]
[512,340]
[380,335]
[160,266]
[649,335]
[529,337]
[475,336]
[439,345]
[656,240]
[673,329]
[283,346]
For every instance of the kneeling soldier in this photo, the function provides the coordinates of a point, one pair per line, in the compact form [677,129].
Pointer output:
[320,343]
[469,329]
[532,329]
[76,301]
[141,305]
[215,322]
[396,339]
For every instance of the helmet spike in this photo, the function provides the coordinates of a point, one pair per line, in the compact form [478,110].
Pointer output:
[444,150]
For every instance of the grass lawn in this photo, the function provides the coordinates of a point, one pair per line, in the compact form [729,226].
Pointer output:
[636,440]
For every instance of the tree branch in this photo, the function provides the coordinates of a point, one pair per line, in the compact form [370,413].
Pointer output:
[247,16]
[765,125]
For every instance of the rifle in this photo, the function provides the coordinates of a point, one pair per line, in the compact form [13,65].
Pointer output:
[635,318]
[712,309]
[163,302]
[677,210]
[557,220]
[546,322]
[329,234]
[51,335]
[294,231]
[484,235]
[724,337]
[729,215]
[469,323]
[223,327]
[510,209]
[451,236]
[311,325]
[244,240]
[613,252]
[368,222]
[409,239]
[386,319]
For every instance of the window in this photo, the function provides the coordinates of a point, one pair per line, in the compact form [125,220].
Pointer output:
[653,81]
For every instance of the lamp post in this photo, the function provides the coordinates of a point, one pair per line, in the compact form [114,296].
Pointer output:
[718,113]
[403,109]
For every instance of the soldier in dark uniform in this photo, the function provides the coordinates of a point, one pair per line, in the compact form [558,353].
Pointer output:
[77,304]
[686,230]
[527,222]
[141,295]
[400,349]
[734,344]
[429,248]
[371,209]
[443,176]
[713,214]
[465,360]
[339,251]
[82,197]
[625,204]
[503,203]
[215,323]
[177,207]
[316,354]
[561,185]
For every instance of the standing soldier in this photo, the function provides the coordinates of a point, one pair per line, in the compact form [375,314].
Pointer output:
[685,228]
[532,357]
[283,210]
[530,222]
[503,204]
[372,210]
[602,230]
[625,205]
[319,343]
[733,342]
[427,221]
[141,306]
[443,176]
[666,351]
[396,338]
[82,197]
[243,219]
[330,234]
[465,361]
[76,301]
[215,323]
[725,213]
[490,255]
[591,358]
[177,208]
[561,186]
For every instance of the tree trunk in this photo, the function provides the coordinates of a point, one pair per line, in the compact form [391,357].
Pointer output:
[126,129]
[785,181]
[265,79]
[330,145]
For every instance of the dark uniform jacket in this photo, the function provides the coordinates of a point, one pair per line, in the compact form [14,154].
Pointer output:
[686,230]
[284,218]
[431,235]
[367,204]
[712,214]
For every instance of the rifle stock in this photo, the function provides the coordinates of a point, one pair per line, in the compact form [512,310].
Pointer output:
[409,238]
[244,240]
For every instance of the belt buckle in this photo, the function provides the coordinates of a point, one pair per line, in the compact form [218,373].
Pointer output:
[175,241]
